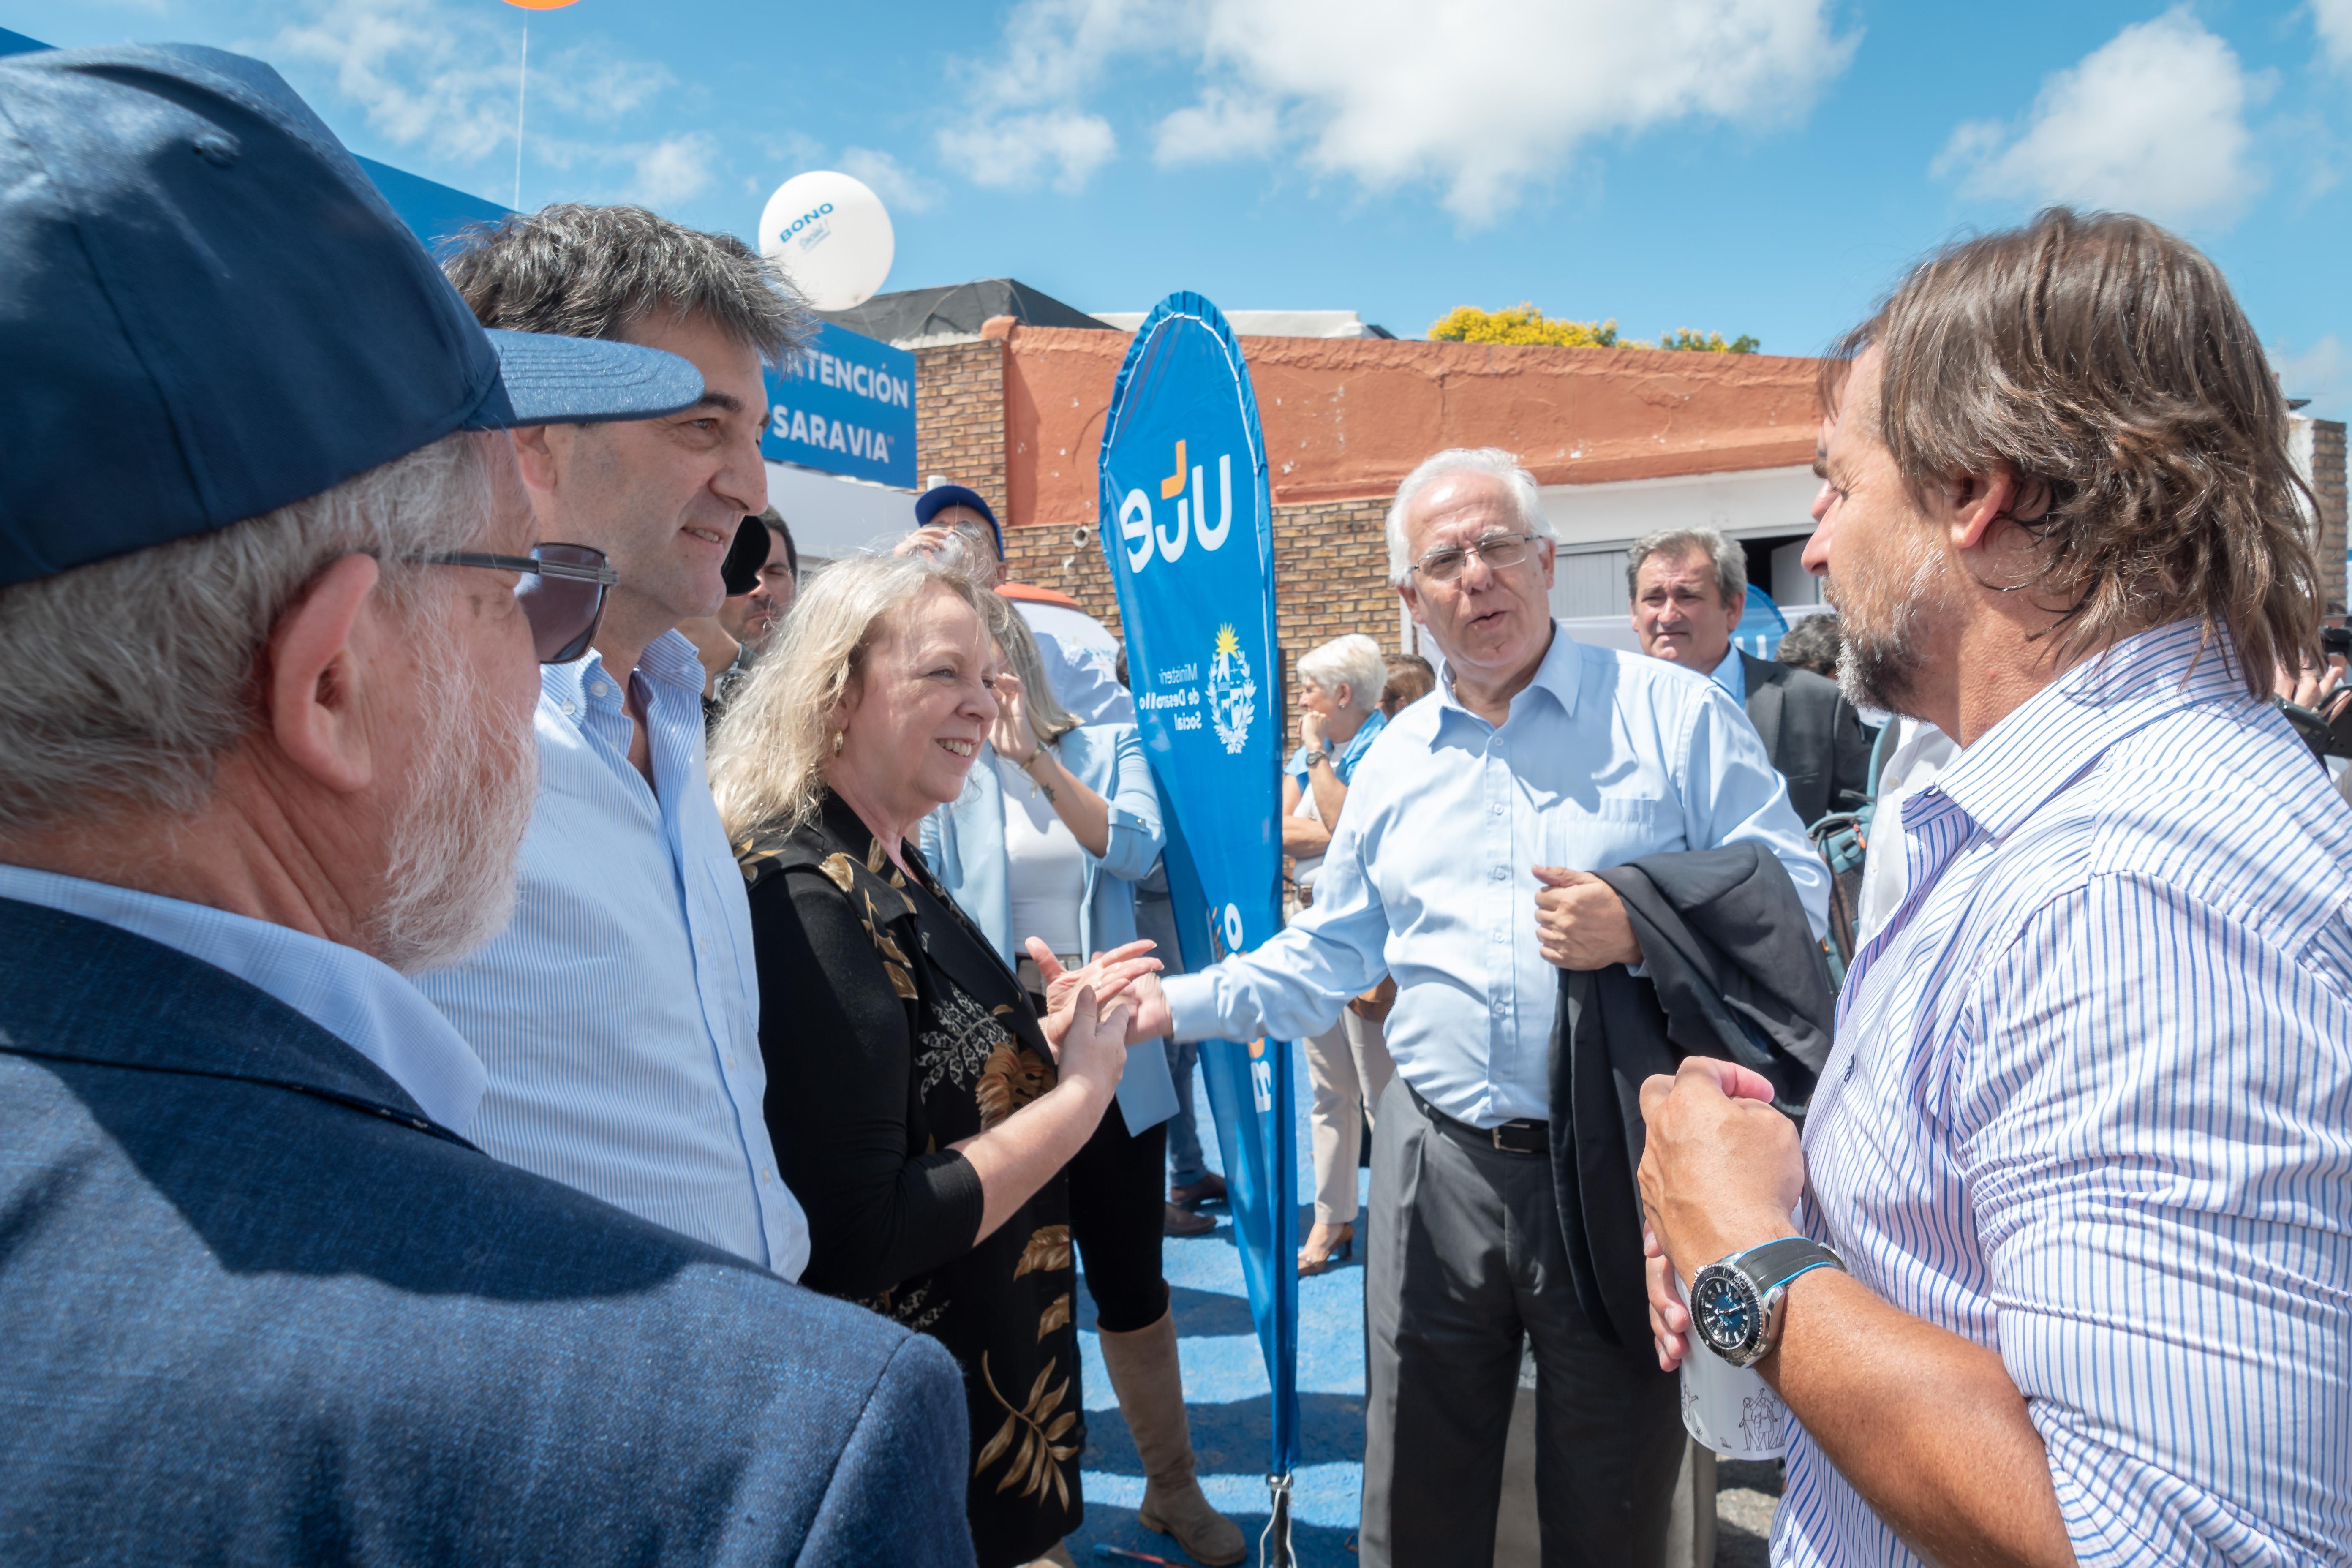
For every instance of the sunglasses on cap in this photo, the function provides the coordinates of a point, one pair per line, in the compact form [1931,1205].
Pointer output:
[561,590]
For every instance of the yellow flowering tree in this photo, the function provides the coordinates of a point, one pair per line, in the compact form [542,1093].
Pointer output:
[1526,324]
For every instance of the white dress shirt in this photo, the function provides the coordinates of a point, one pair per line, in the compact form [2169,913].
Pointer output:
[619,1013]
[1922,751]
[2091,1106]
[1604,758]
[373,1009]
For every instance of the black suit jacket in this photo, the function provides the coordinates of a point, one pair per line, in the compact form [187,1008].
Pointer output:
[1812,734]
[1732,971]
[257,1308]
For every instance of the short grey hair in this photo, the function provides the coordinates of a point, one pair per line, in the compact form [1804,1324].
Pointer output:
[1354,661]
[769,754]
[595,272]
[1527,503]
[1730,562]
[130,680]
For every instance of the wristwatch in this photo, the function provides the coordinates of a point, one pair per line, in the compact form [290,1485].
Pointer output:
[1311,758]
[1735,1305]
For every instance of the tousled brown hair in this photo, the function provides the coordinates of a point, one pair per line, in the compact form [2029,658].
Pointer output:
[2106,357]
[595,272]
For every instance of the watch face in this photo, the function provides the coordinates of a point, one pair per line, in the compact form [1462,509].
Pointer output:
[1726,1308]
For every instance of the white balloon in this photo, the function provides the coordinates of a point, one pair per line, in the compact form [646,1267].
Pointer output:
[830,234]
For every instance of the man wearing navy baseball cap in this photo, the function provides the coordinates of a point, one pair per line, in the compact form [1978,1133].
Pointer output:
[272,602]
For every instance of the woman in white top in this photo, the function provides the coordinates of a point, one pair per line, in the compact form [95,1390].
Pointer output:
[1057,822]
[1340,687]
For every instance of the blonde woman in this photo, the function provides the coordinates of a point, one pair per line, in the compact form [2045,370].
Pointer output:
[1055,823]
[922,1110]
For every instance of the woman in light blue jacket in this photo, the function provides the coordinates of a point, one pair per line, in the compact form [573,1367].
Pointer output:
[1057,822]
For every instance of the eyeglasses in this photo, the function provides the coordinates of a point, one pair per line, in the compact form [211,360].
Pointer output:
[1497,550]
[562,593]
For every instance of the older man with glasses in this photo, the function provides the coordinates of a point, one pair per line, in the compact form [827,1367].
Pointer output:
[1461,868]
[273,607]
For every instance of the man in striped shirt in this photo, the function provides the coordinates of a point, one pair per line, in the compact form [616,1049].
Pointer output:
[2085,1144]
[618,1012]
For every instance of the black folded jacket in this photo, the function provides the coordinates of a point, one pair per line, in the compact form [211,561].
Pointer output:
[1732,971]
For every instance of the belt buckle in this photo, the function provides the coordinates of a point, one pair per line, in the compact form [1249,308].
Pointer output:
[1497,1135]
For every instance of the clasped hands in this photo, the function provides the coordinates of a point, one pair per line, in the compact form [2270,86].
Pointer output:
[1721,1171]
[1095,1012]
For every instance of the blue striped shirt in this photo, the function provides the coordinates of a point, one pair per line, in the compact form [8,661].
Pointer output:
[618,1013]
[2091,1104]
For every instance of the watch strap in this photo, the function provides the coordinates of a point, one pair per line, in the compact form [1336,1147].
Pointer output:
[1777,1262]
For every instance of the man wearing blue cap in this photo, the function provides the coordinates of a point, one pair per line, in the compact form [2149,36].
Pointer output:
[618,1012]
[267,749]
[1079,653]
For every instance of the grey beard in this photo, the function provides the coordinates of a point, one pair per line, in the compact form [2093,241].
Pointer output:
[1880,669]
[449,884]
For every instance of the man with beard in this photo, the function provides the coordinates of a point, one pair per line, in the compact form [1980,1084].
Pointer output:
[267,748]
[618,1012]
[2066,1277]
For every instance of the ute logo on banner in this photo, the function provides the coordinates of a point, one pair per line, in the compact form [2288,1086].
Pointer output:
[1187,532]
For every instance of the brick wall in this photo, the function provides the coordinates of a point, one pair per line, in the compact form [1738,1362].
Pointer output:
[1330,571]
[1330,561]
[2327,482]
[959,415]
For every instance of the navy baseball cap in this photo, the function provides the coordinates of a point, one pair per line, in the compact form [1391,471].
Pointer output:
[207,312]
[933,502]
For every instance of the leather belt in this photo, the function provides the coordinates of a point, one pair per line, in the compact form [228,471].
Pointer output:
[1520,1137]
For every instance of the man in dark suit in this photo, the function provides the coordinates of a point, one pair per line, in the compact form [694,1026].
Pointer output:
[269,749]
[1689,587]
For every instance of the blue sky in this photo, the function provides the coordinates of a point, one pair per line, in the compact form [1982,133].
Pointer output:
[1763,166]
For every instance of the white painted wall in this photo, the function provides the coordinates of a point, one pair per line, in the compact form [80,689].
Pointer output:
[1596,523]
[832,517]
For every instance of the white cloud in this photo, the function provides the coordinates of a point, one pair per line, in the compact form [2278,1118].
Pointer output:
[432,77]
[1221,126]
[2152,122]
[1016,150]
[900,188]
[675,168]
[1486,98]
[2332,19]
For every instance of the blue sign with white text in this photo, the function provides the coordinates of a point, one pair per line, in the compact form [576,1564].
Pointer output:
[846,407]
[1187,530]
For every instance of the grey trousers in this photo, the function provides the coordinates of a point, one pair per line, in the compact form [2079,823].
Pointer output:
[1464,1258]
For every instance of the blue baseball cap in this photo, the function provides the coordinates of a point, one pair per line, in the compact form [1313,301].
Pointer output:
[938,498]
[207,312]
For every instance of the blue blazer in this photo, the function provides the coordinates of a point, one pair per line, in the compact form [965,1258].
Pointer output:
[964,844]
[254,1306]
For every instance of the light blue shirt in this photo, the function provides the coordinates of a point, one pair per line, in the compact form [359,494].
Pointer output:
[964,843]
[1605,757]
[1732,676]
[1345,761]
[2091,1107]
[369,1008]
[619,1013]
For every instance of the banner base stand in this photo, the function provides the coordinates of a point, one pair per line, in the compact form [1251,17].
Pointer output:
[1273,1546]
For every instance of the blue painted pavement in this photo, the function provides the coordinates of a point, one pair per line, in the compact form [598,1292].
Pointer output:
[1227,1394]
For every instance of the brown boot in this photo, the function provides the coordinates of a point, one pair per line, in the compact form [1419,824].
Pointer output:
[1180,1222]
[1151,1392]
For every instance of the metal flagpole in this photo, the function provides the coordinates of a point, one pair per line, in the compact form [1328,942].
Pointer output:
[522,86]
